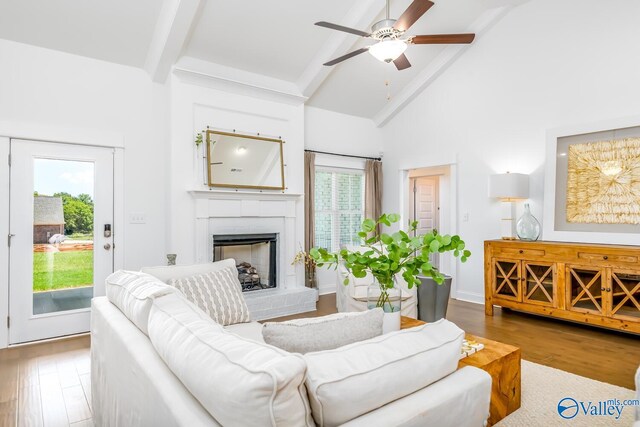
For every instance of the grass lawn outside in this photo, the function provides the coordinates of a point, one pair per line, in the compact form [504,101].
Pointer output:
[60,270]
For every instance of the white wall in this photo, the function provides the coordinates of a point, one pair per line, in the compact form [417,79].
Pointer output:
[543,66]
[42,87]
[340,133]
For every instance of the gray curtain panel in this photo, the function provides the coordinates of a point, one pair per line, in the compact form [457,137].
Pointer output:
[309,200]
[373,189]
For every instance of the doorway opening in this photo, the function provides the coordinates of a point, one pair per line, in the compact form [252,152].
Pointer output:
[429,195]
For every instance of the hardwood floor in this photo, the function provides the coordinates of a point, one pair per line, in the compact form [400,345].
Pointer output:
[48,384]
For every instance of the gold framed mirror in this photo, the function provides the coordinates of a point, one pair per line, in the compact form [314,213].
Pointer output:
[244,161]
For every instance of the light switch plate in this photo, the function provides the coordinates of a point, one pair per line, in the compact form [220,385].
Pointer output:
[137,218]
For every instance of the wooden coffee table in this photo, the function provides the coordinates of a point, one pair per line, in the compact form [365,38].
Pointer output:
[502,362]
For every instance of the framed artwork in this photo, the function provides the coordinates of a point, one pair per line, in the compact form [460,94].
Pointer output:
[592,188]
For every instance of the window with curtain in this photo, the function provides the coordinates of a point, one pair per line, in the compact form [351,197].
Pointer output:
[339,207]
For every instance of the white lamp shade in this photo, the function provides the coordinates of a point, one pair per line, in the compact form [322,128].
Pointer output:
[388,50]
[509,186]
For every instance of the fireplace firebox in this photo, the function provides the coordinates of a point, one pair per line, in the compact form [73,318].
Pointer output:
[255,256]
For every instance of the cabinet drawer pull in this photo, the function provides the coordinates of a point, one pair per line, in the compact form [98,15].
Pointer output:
[603,289]
[520,251]
[605,257]
[608,289]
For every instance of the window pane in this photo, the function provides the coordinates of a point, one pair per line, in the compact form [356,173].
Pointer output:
[62,235]
[324,231]
[339,208]
[349,226]
[356,192]
[323,191]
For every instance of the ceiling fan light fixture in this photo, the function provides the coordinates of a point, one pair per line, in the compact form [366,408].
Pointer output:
[388,50]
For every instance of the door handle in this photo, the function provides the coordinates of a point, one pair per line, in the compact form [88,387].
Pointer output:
[107,246]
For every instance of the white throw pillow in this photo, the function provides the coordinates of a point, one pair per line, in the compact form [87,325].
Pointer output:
[238,381]
[133,292]
[323,333]
[217,293]
[352,380]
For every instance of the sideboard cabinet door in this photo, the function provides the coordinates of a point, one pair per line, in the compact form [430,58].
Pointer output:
[506,279]
[625,294]
[539,283]
[586,289]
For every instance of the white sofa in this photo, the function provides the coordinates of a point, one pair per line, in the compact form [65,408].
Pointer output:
[147,371]
[353,296]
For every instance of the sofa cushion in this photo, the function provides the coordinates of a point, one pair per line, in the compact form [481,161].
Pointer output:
[250,330]
[133,292]
[323,333]
[379,370]
[168,272]
[217,293]
[238,381]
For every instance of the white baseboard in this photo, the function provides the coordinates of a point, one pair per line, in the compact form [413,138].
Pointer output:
[470,297]
[327,289]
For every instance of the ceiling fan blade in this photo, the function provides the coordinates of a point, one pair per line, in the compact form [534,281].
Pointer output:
[402,62]
[444,39]
[347,56]
[342,28]
[412,14]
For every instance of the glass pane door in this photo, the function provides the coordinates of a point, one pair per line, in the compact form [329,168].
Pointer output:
[61,249]
[62,235]
[506,278]
[585,287]
[539,284]
[625,294]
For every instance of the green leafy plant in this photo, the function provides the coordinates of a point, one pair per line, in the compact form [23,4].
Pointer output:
[387,255]
[198,140]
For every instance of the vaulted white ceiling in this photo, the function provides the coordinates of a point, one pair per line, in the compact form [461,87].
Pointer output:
[112,30]
[273,39]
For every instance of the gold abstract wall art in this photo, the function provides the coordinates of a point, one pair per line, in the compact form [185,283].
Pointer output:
[603,182]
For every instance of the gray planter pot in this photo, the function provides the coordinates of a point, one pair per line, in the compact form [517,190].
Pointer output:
[433,299]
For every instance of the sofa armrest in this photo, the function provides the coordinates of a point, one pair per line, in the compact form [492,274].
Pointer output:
[460,399]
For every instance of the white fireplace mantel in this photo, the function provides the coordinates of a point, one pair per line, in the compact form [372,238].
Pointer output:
[241,194]
[246,212]
[251,212]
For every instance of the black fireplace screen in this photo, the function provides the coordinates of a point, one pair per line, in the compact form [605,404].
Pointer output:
[255,256]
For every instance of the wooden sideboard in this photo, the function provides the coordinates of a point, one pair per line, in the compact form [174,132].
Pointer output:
[586,283]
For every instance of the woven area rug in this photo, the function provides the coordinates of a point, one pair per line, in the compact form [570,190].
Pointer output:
[543,388]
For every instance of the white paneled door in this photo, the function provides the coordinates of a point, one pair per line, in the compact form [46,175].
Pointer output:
[425,206]
[61,243]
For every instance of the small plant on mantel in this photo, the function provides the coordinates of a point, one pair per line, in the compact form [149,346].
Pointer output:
[387,255]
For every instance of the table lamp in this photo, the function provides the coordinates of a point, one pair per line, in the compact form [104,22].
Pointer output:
[508,188]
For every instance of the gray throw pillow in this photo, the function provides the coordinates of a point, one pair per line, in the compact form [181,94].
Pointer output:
[323,333]
[217,293]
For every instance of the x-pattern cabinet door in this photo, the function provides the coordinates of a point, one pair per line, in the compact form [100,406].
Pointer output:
[539,283]
[586,289]
[506,279]
[624,294]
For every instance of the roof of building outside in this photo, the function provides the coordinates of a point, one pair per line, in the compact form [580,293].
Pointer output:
[47,210]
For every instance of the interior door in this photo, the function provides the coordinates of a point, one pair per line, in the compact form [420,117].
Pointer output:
[61,216]
[425,207]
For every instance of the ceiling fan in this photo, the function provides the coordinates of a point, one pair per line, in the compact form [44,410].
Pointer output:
[389,34]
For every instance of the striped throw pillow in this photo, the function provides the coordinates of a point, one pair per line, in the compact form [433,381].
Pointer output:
[218,293]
